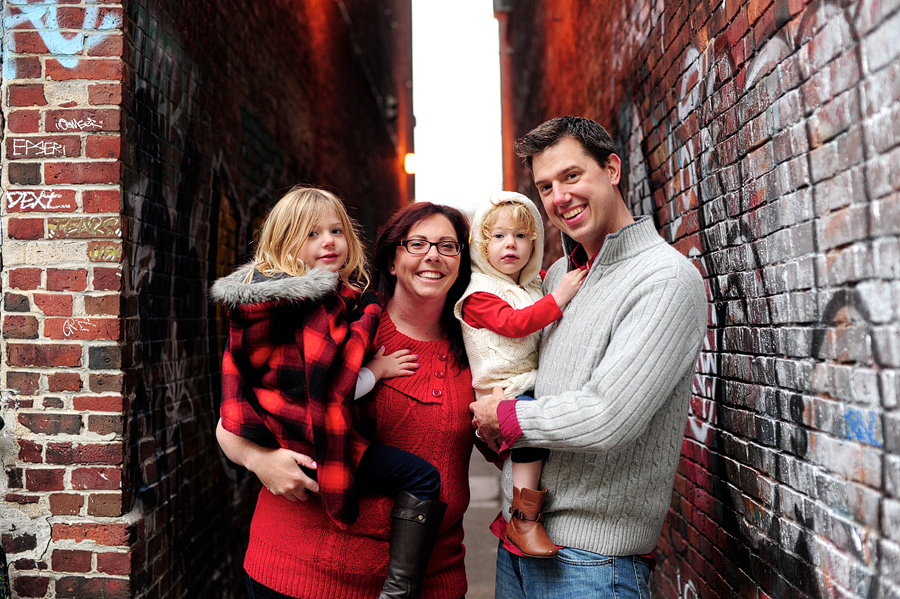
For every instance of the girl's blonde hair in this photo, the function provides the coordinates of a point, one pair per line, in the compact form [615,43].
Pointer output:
[520,215]
[287,227]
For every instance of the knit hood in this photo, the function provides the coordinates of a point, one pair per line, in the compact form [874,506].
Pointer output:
[312,286]
[478,243]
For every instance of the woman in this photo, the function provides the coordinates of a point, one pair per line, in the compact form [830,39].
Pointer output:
[421,269]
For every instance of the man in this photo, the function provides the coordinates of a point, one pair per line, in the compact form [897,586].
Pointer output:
[613,383]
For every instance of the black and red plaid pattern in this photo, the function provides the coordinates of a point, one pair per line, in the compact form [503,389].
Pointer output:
[288,376]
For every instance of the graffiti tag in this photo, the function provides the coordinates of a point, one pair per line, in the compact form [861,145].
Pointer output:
[85,124]
[29,200]
[21,147]
[59,228]
[859,429]
[43,15]
[76,325]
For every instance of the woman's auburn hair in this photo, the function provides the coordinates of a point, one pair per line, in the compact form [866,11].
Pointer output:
[287,227]
[395,231]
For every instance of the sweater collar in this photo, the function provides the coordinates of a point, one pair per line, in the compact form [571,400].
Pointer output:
[625,243]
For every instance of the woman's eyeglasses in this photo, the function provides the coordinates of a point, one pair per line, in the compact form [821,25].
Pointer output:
[418,247]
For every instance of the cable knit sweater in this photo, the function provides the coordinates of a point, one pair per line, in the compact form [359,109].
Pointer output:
[297,550]
[612,391]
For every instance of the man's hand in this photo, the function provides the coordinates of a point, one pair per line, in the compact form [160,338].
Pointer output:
[484,418]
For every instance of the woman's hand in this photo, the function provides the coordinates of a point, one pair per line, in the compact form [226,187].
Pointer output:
[277,469]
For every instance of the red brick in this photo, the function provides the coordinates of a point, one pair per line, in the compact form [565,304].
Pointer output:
[53,304]
[31,586]
[84,453]
[44,479]
[102,534]
[29,42]
[49,423]
[106,305]
[27,67]
[18,543]
[17,326]
[97,479]
[25,228]
[64,381]
[24,121]
[59,279]
[106,403]
[106,383]
[103,146]
[66,504]
[82,172]
[21,499]
[25,278]
[71,560]
[84,120]
[102,200]
[109,69]
[43,355]
[49,146]
[31,452]
[114,563]
[107,279]
[109,45]
[70,17]
[41,200]
[105,425]
[78,587]
[53,403]
[105,504]
[26,383]
[105,93]
[82,328]
[31,94]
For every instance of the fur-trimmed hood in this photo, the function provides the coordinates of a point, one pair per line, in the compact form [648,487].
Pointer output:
[480,263]
[234,292]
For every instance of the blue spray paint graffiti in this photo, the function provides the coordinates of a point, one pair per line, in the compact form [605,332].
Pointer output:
[43,17]
[859,429]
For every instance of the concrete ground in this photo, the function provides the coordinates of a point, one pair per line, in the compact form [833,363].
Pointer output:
[481,545]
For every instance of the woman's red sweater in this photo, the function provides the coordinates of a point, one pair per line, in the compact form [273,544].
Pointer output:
[297,550]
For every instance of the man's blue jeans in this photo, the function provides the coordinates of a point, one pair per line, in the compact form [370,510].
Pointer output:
[573,574]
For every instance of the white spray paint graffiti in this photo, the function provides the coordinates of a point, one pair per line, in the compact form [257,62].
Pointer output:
[21,147]
[77,325]
[688,590]
[29,200]
[87,124]
[65,48]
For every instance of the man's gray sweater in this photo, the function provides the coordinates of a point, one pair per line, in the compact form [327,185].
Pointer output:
[613,389]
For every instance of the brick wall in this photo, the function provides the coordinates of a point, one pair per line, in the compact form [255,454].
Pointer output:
[762,137]
[143,142]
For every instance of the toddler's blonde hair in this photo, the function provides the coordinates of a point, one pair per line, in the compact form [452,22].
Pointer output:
[520,215]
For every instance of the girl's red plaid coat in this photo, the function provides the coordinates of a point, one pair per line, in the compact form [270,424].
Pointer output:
[290,370]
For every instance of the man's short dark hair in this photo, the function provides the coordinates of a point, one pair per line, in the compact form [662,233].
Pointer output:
[593,137]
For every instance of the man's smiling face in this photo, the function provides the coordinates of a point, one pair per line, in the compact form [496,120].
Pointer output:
[579,195]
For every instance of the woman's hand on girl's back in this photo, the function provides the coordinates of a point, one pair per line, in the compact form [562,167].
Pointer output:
[279,470]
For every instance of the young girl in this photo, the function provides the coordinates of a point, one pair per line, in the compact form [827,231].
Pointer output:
[503,312]
[296,348]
